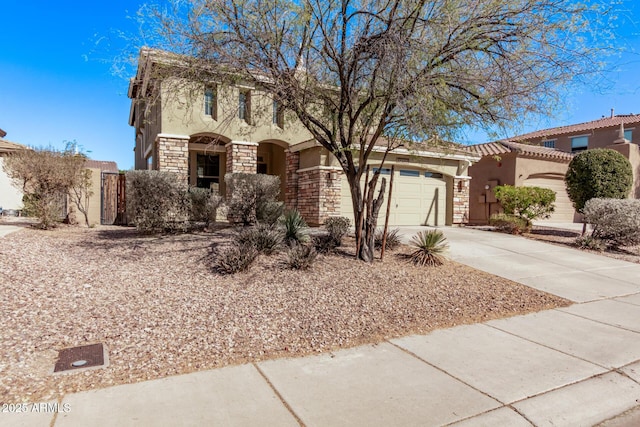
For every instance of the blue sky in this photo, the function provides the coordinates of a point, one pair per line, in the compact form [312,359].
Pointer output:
[57,84]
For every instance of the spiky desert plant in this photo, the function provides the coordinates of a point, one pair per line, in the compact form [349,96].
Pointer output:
[430,244]
[264,238]
[295,227]
[393,239]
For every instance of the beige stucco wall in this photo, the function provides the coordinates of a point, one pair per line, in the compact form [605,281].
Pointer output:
[10,196]
[527,167]
[183,114]
[598,138]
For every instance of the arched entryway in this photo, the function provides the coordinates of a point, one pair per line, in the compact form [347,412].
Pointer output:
[207,161]
[272,160]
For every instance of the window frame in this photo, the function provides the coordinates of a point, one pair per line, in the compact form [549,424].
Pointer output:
[278,114]
[244,107]
[211,105]
[578,149]
[549,143]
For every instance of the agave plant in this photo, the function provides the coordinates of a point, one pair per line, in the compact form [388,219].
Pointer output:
[295,227]
[430,246]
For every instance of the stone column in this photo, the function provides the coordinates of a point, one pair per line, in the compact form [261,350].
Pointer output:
[173,154]
[319,193]
[242,156]
[461,199]
[291,189]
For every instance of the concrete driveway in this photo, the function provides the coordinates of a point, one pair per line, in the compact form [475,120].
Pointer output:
[570,273]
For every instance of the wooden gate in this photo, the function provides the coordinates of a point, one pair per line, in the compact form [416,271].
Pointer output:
[113,207]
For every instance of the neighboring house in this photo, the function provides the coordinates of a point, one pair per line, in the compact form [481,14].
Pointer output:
[512,163]
[205,133]
[541,159]
[10,195]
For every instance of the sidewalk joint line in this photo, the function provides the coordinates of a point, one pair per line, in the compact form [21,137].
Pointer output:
[598,321]
[410,353]
[280,397]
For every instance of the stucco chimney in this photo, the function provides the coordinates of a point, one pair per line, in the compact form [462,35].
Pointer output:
[612,113]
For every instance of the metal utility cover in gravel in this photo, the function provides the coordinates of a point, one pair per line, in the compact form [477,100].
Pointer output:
[85,356]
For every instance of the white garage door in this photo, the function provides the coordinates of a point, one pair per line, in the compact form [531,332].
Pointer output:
[563,206]
[419,198]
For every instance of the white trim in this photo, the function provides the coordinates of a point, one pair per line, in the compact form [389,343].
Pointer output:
[251,144]
[322,168]
[580,136]
[465,177]
[433,154]
[173,136]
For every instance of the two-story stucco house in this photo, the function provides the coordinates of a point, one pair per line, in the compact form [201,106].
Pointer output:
[541,159]
[204,131]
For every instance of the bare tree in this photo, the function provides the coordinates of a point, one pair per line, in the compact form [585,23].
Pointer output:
[365,75]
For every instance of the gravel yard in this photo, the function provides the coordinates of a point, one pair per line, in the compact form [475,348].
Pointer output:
[160,310]
[568,237]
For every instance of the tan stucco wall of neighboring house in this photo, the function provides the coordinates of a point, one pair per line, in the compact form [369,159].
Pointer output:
[10,196]
[94,205]
[493,172]
[632,152]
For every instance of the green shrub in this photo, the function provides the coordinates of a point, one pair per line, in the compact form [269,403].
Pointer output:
[430,244]
[614,221]
[528,203]
[509,224]
[598,173]
[253,197]
[295,227]
[157,201]
[590,242]
[393,239]
[337,226]
[234,259]
[204,204]
[264,238]
[300,257]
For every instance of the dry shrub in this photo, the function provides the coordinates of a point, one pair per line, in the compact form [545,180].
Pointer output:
[234,259]
[253,197]
[264,238]
[509,224]
[392,242]
[614,221]
[300,257]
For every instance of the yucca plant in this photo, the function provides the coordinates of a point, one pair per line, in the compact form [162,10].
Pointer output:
[295,227]
[263,237]
[300,257]
[430,246]
[234,259]
[393,238]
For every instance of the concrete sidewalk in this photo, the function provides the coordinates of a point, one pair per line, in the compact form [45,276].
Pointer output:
[573,366]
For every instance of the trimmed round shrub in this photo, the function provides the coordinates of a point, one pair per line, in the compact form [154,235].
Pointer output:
[598,173]
[337,226]
[528,203]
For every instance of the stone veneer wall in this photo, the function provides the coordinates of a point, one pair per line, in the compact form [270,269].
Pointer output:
[242,157]
[173,155]
[291,194]
[461,200]
[319,194]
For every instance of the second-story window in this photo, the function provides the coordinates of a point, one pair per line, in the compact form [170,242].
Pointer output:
[628,134]
[579,143]
[244,106]
[211,103]
[278,114]
[550,143]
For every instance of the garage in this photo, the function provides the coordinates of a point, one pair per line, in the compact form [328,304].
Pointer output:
[563,207]
[419,198]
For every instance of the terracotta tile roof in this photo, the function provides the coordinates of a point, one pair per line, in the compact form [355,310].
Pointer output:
[503,147]
[605,122]
[104,166]
[8,146]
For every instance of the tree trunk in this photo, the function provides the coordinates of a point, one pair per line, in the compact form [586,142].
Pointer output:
[367,247]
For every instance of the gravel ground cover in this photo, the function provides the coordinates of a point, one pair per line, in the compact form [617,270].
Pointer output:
[568,237]
[160,310]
